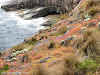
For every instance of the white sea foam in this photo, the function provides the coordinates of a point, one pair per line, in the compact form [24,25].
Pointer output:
[3,2]
[27,24]
[14,29]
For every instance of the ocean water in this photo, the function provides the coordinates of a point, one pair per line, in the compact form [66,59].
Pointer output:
[13,29]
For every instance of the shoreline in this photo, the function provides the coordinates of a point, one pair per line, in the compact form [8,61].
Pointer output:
[47,25]
[43,27]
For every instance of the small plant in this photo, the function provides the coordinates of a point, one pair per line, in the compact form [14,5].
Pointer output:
[63,16]
[88,65]
[92,11]
[62,29]
[32,41]
[5,68]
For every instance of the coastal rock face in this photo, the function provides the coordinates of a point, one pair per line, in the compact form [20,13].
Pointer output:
[20,4]
[58,5]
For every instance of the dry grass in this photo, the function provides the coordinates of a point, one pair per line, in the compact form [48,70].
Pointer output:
[63,16]
[90,7]
[62,29]
[57,69]
[89,45]
[86,45]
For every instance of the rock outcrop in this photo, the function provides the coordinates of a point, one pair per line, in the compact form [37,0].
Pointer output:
[50,6]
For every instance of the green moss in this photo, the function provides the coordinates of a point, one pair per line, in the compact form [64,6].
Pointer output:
[5,68]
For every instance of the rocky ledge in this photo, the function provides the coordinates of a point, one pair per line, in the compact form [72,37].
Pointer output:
[46,7]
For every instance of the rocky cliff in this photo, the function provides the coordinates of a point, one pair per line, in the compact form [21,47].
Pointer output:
[50,6]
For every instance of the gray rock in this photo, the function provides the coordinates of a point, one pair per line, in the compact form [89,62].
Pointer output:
[50,6]
[37,12]
[49,23]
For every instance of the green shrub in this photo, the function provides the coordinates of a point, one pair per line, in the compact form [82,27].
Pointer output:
[92,11]
[88,65]
[5,68]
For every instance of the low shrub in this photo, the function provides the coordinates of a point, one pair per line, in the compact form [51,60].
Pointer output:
[92,11]
[5,68]
[88,65]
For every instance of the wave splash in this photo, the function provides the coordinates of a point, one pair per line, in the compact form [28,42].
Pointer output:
[13,29]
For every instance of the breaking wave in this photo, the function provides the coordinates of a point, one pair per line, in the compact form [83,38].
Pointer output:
[13,29]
